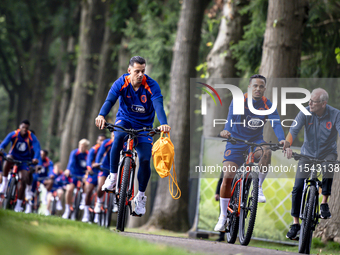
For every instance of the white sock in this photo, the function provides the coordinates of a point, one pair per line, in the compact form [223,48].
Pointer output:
[67,207]
[83,196]
[86,210]
[100,199]
[19,203]
[140,194]
[262,176]
[27,190]
[4,180]
[113,176]
[224,207]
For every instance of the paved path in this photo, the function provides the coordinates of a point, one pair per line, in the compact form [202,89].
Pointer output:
[204,246]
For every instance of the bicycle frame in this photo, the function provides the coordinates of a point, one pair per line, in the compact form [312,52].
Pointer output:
[128,153]
[250,163]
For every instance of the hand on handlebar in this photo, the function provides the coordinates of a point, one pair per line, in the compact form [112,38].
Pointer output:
[285,143]
[225,134]
[100,122]
[67,173]
[288,152]
[35,161]
[164,128]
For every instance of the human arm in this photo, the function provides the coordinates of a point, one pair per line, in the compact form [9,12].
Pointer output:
[5,142]
[36,148]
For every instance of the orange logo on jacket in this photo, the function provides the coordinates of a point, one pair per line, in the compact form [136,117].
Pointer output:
[329,125]
[227,153]
[143,98]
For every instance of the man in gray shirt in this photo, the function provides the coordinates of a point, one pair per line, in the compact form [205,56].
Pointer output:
[320,141]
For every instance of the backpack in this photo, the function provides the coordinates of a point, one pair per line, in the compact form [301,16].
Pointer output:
[163,155]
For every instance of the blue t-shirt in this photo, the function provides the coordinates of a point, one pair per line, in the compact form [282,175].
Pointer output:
[250,126]
[91,157]
[77,162]
[47,167]
[23,148]
[135,106]
[103,155]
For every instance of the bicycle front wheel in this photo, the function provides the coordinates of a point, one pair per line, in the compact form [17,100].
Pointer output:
[122,204]
[306,231]
[233,224]
[9,201]
[249,199]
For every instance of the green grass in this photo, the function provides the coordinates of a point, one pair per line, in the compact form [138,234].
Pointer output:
[37,234]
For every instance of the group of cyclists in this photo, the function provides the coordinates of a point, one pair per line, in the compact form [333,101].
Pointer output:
[139,99]
[322,127]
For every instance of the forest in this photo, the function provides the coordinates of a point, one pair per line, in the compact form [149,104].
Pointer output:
[58,60]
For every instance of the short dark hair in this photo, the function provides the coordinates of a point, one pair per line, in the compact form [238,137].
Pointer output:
[25,122]
[103,135]
[46,152]
[137,59]
[258,76]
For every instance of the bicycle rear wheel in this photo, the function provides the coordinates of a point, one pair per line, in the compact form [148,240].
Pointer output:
[248,207]
[109,210]
[306,231]
[233,224]
[76,209]
[122,204]
[54,206]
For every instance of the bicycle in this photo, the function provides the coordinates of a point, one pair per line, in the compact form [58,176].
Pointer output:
[36,196]
[11,194]
[309,209]
[77,197]
[106,209]
[126,172]
[244,194]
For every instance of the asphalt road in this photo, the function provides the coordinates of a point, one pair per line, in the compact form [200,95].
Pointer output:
[204,246]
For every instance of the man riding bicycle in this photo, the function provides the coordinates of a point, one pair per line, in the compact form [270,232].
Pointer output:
[76,168]
[139,98]
[320,142]
[25,147]
[249,130]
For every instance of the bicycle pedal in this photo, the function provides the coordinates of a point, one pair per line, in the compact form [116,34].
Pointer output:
[109,191]
[135,214]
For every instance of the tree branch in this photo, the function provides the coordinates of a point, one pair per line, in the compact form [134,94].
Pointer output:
[325,22]
[7,68]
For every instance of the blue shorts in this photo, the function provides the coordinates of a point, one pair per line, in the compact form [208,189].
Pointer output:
[74,179]
[144,138]
[104,173]
[92,179]
[234,153]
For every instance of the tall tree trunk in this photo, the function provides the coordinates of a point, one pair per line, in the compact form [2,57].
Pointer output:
[167,212]
[56,96]
[221,64]
[90,40]
[41,77]
[107,74]
[282,48]
[124,57]
[68,79]
[329,229]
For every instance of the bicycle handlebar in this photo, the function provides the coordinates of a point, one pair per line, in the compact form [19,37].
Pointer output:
[298,156]
[112,127]
[29,163]
[272,146]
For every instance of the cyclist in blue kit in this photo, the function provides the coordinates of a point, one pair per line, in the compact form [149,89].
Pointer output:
[25,147]
[92,176]
[76,168]
[247,127]
[139,98]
